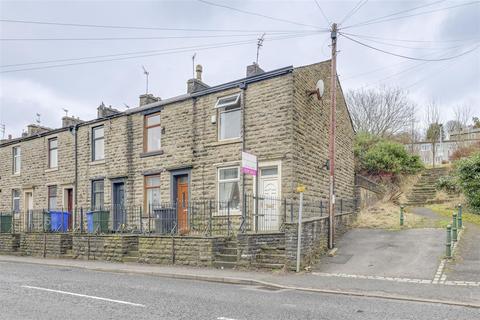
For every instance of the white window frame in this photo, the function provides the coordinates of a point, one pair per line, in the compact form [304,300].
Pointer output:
[222,105]
[50,149]
[233,211]
[94,151]
[17,170]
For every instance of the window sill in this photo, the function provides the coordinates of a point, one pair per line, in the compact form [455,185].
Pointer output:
[151,154]
[97,162]
[51,170]
[225,142]
[16,174]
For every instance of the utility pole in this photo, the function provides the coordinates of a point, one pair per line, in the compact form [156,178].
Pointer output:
[333,123]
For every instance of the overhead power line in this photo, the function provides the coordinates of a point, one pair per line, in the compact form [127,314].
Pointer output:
[411,15]
[408,40]
[143,38]
[354,10]
[322,12]
[259,14]
[167,51]
[408,57]
[84,25]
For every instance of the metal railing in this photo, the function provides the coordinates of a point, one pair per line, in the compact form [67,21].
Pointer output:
[198,217]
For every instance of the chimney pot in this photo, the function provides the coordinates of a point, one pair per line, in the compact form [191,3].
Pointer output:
[198,70]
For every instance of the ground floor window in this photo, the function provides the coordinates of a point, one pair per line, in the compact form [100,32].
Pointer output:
[98,195]
[52,198]
[16,201]
[152,191]
[229,188]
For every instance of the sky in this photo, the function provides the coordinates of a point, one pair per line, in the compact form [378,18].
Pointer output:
[296,33]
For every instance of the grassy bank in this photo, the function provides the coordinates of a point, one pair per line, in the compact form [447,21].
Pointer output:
[446,210]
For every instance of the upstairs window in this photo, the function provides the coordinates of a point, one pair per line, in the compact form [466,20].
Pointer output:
[17,159]
[152,133]
[52,198]
[98,143]
[229,114]
[53,153]
[97,195]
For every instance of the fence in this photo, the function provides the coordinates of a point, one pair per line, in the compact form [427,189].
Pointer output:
[198,217]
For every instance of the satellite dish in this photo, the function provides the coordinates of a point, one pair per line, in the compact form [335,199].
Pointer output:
[320,88]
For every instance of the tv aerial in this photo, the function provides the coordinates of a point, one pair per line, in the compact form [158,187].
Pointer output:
[146,73]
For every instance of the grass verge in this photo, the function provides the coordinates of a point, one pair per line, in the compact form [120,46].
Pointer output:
[446,210]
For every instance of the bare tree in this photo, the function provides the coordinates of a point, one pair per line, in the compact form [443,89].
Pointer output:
[382,112]
[463,114]
[434,127]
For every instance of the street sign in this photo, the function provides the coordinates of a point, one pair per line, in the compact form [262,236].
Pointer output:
[300,188]
[249,164]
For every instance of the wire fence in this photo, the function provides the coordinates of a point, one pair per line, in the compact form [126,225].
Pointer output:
[198,217]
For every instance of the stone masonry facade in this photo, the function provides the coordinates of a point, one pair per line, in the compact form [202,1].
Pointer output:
[280,124]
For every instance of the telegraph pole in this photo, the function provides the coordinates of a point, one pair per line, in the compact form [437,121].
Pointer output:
[333,123]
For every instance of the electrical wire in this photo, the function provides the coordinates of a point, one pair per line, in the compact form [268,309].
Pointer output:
[258,14]
[408,57]
[153,54]
[83,25]
[130,53]
[354,10]
[140,38]
[407,40]
[412,15]
[322,12]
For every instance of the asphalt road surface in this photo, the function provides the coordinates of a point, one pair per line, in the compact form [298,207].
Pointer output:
[38,292]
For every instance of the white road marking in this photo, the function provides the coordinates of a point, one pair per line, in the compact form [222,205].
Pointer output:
[223,318]
[86,296]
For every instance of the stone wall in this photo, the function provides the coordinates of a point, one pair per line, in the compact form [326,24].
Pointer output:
[314,238]
[45,244]
[192,251]
[250,245]
[103,247]
[9,243]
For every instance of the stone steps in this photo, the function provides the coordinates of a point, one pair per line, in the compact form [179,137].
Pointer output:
[131,256]
[424,190]
[271,266]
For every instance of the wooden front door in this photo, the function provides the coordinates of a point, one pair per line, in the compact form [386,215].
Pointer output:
[119,216]
[182,204]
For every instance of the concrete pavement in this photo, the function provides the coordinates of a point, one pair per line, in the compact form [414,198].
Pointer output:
[33,291]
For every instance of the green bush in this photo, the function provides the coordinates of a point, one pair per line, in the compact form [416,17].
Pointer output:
[468,173]
[448,184]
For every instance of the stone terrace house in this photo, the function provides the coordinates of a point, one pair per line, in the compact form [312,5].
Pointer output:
[187,147]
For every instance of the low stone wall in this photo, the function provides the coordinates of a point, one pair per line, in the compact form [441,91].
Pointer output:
[192,251]
[45,244]
[250,245]
[103,247]
[9,242]
[314,238]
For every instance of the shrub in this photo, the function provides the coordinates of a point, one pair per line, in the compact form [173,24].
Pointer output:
[387,157]
[468,173]
[448,184]
[465,152]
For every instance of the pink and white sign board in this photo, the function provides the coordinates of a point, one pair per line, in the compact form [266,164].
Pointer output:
[249,164]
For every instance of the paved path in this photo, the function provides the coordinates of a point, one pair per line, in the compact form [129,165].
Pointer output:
[466,263]
[29,291]
[412,253]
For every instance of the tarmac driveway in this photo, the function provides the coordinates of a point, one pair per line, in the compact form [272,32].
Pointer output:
[413,253]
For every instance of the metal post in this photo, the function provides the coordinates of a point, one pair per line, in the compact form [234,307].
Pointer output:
[141,220]
[149,222]
[210,217]
[402,217]
[291,211]
[454,228]
[449,242]
[43,220]
[228,218]
[284,210]
[333,111]
[299,235]
[459,218]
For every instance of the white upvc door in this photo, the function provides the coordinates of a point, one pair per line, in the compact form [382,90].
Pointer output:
[28,208]
[269,206]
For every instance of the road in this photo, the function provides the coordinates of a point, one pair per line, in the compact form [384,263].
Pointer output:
[39,292]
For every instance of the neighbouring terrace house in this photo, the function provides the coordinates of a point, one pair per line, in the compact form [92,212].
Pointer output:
[174,165]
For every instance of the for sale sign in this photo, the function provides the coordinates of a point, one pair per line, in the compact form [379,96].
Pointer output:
[249,164]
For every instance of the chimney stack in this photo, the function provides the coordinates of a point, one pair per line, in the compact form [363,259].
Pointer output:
[148,98]
[70,121]
[33,129]
[103,111]
[196,84]
[254,69]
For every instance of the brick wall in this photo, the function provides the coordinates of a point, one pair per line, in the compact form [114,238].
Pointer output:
[103,247]
[44,244]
